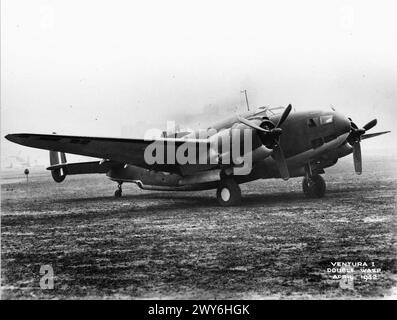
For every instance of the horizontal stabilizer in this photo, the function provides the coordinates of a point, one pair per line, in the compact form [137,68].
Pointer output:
[83,167]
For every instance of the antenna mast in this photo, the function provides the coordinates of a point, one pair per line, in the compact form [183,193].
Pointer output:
[246,99]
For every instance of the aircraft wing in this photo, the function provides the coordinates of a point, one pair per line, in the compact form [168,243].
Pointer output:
[121,150]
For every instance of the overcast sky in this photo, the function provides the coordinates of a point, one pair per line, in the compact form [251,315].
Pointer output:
[93,67]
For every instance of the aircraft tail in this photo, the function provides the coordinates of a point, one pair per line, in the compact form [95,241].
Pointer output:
[58,174]
[60,168]
[57,157]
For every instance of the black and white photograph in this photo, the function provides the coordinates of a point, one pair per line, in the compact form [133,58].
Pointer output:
[198,150]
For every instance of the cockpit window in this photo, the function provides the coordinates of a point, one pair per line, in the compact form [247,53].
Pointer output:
[326,119]
[319,121]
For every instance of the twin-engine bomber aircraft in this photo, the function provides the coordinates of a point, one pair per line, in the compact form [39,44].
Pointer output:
[276,144]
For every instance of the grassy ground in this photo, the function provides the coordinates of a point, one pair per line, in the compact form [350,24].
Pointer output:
[277,244]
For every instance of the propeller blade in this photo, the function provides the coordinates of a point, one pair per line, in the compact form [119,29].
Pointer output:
[371,135]
[251,124]
[281,163]
[370,124]
[358,167]
[284,116]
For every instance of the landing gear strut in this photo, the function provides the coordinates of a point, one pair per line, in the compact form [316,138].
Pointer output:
[228,192]
[313,186]
[118,193]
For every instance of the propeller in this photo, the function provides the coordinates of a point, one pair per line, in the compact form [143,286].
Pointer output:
[354,140]
[269,134]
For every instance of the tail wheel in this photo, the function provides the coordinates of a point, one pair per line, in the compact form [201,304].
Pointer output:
[228,193]
[314,186]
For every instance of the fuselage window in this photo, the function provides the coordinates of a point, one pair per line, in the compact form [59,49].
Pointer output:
[311,123]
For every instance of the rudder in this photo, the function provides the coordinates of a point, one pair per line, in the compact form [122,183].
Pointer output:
[56,157]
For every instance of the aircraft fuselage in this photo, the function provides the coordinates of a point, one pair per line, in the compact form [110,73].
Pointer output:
[307,136]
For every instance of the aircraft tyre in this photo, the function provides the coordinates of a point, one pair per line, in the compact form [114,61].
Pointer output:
[228,192]
[314,186]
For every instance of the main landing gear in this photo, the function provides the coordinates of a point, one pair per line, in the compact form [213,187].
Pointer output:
[228,192]
[313,186]
[118,193]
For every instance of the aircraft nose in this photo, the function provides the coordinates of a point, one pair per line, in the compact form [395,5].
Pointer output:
[342,123]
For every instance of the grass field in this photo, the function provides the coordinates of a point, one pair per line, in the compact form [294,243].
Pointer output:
[277,244]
